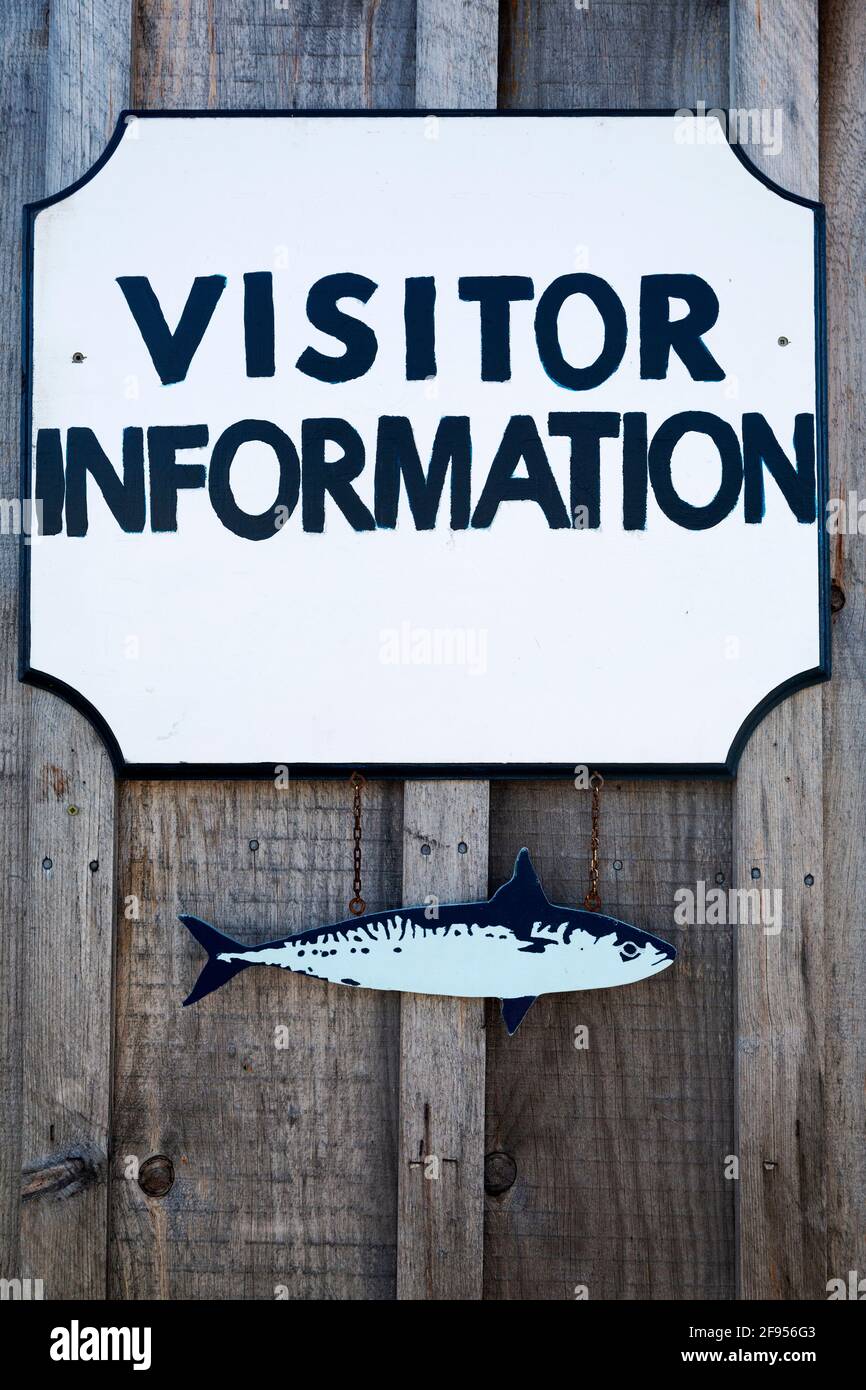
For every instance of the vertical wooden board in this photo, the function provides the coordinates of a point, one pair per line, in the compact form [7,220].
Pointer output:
[780,1012]
[660,54]
[70,817]
[843,130]
[23,57]
[89,57]
[285,1171]
[313,54]
[68,1017]
[616,1137]
[778,815]
[774,65]
[440,1204]
[619,1150]
[441,1169]
[456,53]
[273,1099]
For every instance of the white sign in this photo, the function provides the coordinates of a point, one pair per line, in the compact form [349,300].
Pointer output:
[465,440]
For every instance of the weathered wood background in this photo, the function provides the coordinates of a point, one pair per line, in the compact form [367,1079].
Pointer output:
[150,1152]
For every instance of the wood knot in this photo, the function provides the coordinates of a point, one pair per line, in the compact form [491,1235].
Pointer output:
[57,1176]
[156,1175]
[500,1171]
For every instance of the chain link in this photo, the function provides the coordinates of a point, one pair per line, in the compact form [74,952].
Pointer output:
[592,901]
[357,782]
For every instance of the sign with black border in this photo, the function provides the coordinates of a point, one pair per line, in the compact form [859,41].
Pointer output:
[460,350]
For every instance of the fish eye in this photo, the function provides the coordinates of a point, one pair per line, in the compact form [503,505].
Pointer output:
[629,950]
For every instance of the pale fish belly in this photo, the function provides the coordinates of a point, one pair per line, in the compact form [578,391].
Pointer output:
[461,958]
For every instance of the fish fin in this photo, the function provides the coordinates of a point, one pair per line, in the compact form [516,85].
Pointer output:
[515,1010]
[523,891]
[216,972]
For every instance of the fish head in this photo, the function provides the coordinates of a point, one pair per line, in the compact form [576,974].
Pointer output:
[617,953]
[599,950]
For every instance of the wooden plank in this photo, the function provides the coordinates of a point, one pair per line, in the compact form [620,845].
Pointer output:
[615,1155]
[23,56]
[316,54]
[283,1157]
[89,54]
[441,1128]
[272,1100]
[441,1134]
[843,128]
[648,53]
[68,988]
[778,819]
[70,813]
[456,53]
[616,1138]
[774,66]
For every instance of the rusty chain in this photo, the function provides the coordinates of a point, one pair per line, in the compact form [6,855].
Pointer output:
[592,901]
[356,904]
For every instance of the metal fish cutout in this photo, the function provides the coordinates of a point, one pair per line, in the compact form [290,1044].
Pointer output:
[514,946]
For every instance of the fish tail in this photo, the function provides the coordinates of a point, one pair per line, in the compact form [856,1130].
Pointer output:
[216,972]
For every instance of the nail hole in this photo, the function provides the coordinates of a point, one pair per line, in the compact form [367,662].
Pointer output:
[78,357]
[425,849]
[720,878]
[756,873]
[73,810]
[783,342]
[47,864]
[462,848]
[769,1165]
[617,864]
[809,880]
[93,865]
[254,844]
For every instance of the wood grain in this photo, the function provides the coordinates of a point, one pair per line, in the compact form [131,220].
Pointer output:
[441,1135]
[778,816]
[620,1149]
[68,989]
[843,189]
[313,54]
[23,60]
[456,53]
[619,1136]
[273,1099]
[660,54]
[774,65]
[67,977]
